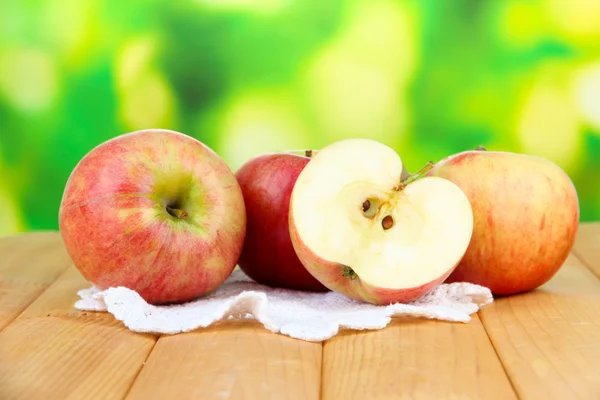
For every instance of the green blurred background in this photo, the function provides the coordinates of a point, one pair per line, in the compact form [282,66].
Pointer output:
[428,77]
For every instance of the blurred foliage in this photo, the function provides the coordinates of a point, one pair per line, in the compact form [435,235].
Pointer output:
[428,77]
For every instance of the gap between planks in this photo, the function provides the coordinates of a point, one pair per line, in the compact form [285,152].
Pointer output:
[139,371]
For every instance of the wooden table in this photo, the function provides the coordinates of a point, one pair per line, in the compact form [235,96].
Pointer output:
[541,345]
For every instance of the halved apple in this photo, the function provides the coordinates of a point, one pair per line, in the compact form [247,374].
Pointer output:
[366,229]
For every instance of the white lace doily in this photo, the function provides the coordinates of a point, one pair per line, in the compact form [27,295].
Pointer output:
[306,316]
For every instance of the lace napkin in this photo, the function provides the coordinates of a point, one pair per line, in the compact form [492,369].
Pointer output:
[306,316]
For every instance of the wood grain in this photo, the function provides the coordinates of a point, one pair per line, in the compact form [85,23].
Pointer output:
[415,359]
[60,297]
[587,246]
[81,357]
[34,257]
[14,297]
[549,339]
[231,361]
[28,264]
[53,351]
[546,345]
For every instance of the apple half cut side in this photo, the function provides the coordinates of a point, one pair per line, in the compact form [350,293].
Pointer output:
[365,229]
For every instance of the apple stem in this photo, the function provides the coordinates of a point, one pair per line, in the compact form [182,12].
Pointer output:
[176,212]
[413,177]
[309,153]
[480,148]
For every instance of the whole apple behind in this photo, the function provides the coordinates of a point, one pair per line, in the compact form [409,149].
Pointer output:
[268,256]
[155,211]
[526,216]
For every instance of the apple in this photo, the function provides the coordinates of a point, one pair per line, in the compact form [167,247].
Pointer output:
[526,216]
[366,230]
[155,211]
[268,256]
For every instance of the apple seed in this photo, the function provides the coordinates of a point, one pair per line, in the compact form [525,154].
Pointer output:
[370,207]
[366,205]
[387,222]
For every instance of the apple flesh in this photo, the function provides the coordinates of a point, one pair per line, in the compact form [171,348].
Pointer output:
[268,256]
[364,229]
[155,211]
[526,216]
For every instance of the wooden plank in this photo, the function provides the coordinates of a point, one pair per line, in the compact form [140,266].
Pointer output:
[28,264]
[587,246]
[549,339]
[415,359]
[232,360]
[53,351]
[60,298]
[32,257]
[14,297]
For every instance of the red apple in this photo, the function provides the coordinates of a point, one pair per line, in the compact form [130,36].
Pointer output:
[268,256]
[526,213]
[155,211]
[364,229]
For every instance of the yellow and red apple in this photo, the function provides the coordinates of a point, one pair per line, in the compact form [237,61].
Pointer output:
[526,216]
[155,211]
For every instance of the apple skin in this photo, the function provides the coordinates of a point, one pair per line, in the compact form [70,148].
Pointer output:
[268,256]
[116,228]
[331,274]
[526,217]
